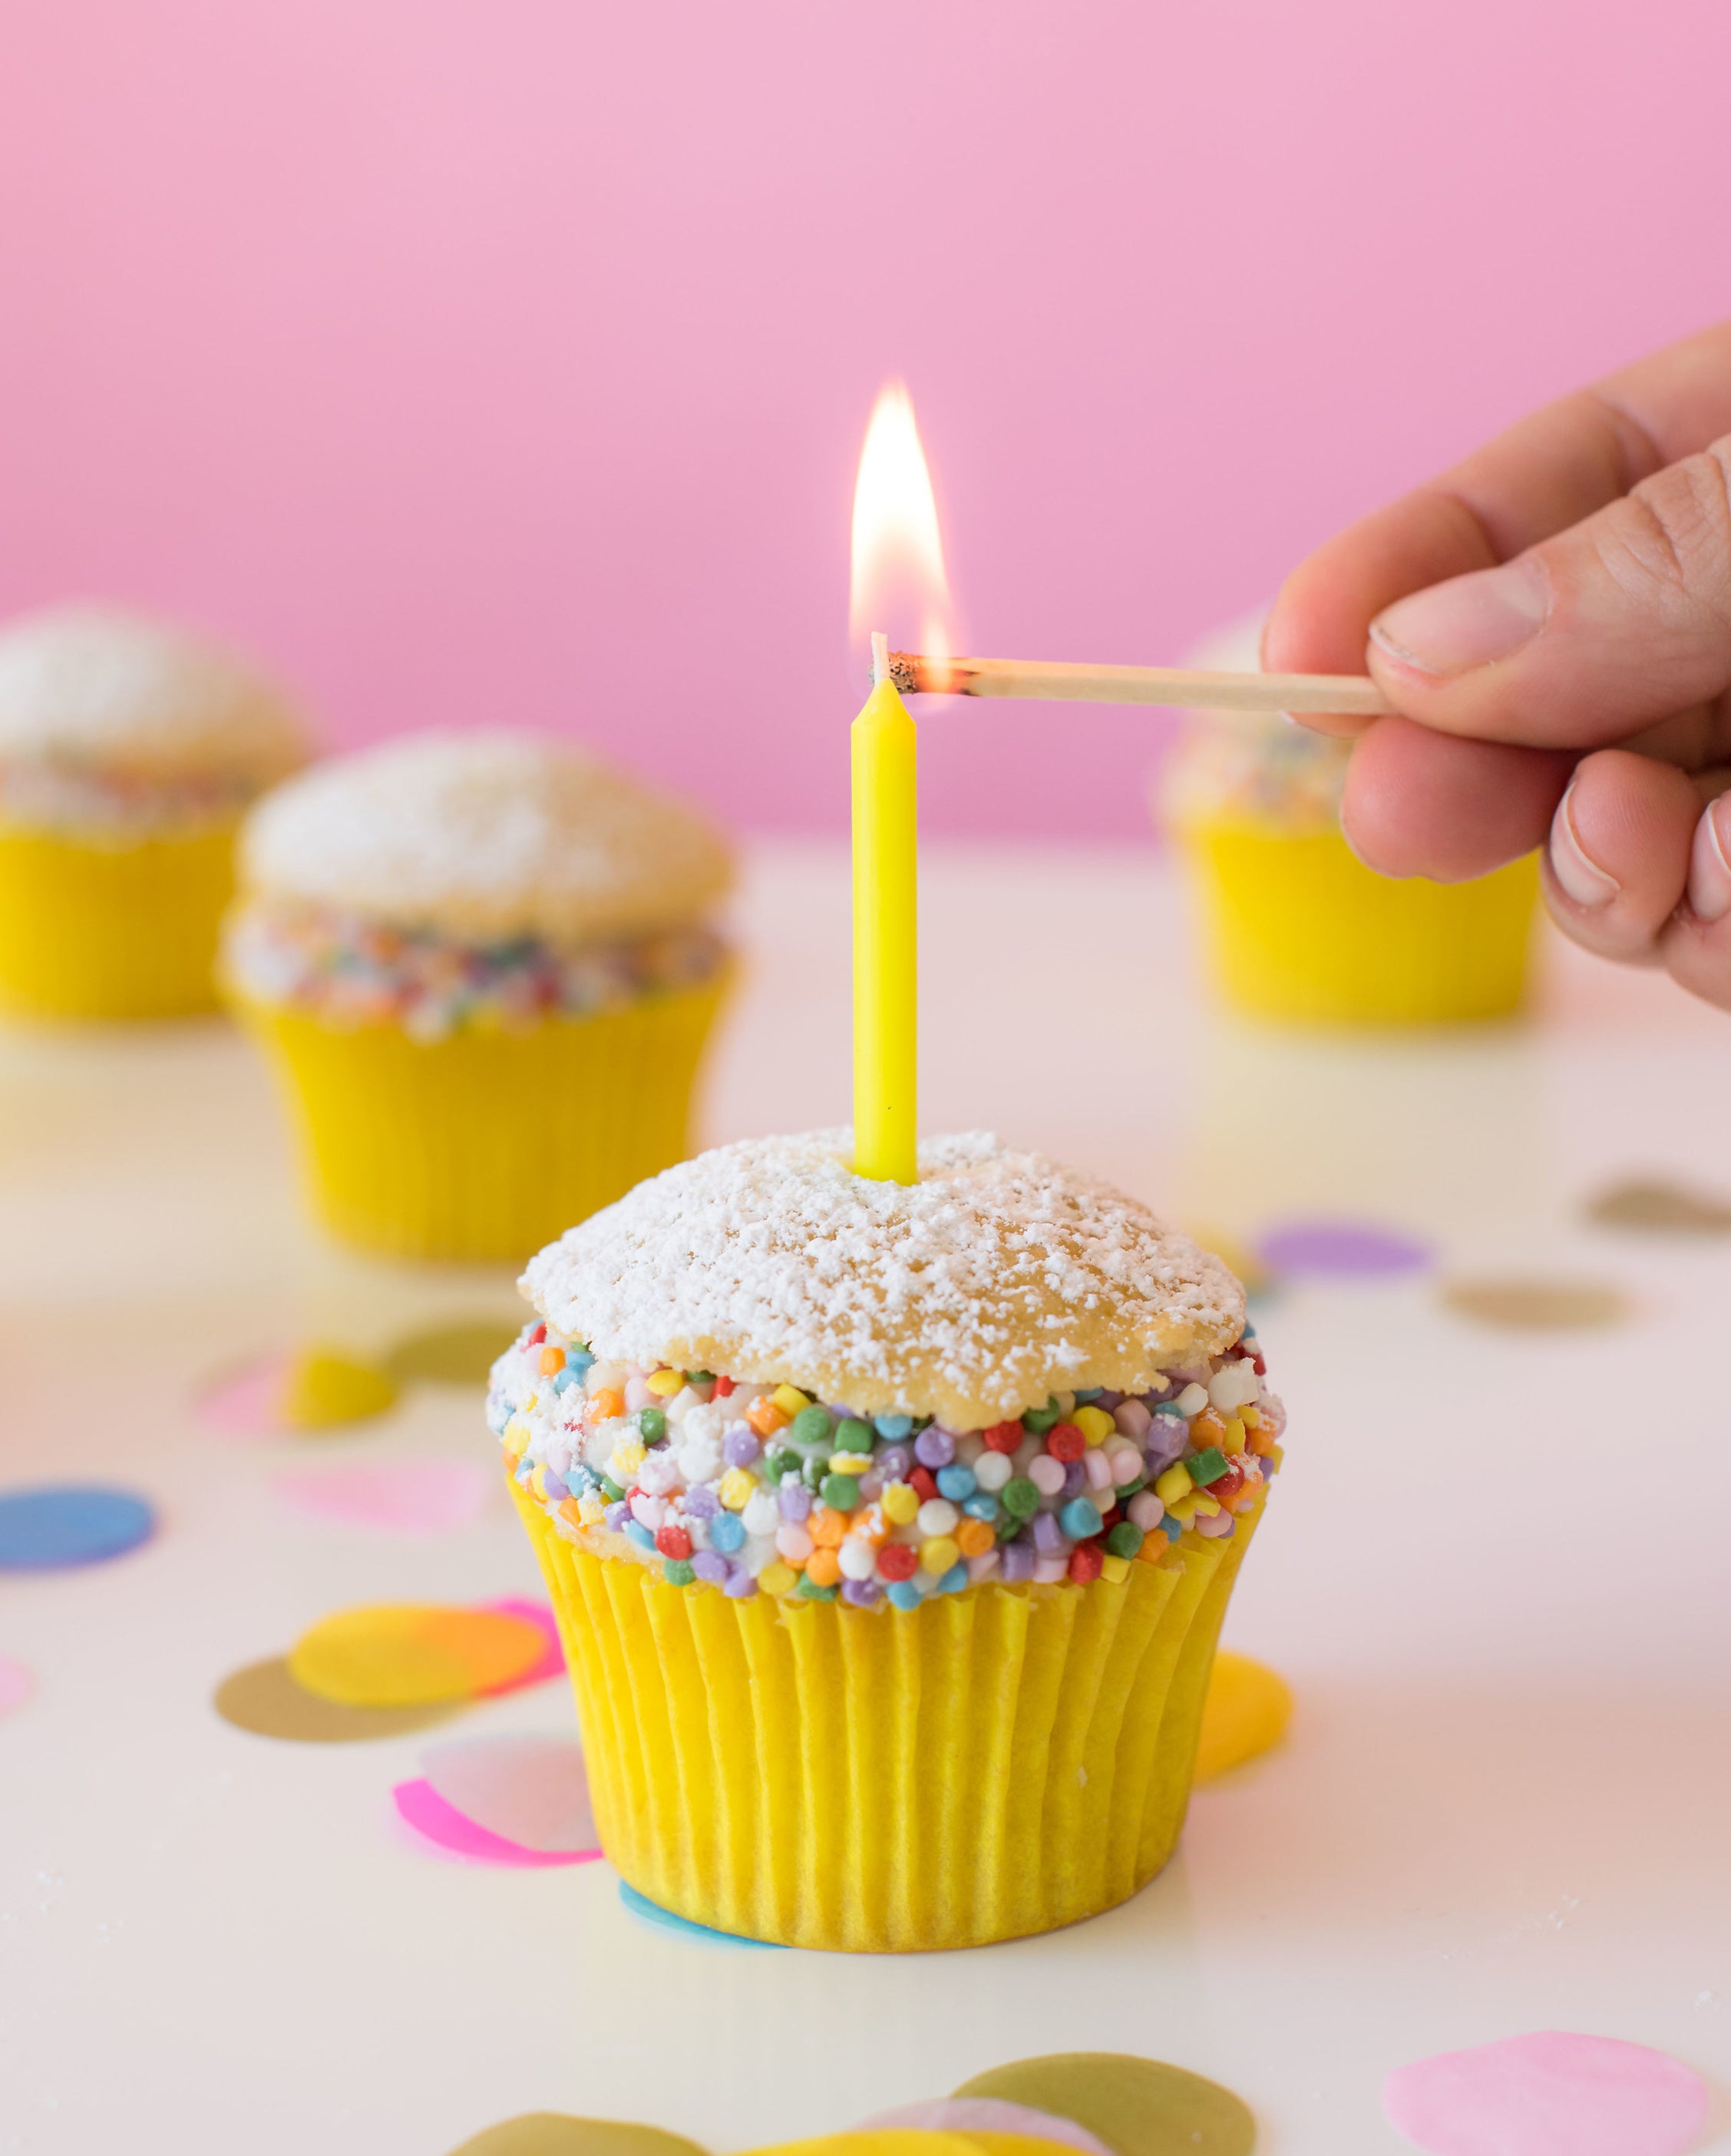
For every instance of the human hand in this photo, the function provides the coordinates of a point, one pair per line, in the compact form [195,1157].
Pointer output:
[1553,618]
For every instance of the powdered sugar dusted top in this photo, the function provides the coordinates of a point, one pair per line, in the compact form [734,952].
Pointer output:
[486,836]
[91,688]
[997,1279]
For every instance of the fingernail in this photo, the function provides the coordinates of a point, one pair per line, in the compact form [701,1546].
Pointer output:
[1573,867]
[1467,621]
[1709,870]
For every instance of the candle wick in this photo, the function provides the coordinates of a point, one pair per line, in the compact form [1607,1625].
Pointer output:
[880,658]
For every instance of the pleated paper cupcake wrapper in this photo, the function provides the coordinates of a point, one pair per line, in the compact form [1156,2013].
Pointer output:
[90,930]
[997,1762]
[1297,927]
[486,1144]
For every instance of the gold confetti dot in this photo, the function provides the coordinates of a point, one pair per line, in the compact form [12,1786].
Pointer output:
[1247,1710]
[1537,1304]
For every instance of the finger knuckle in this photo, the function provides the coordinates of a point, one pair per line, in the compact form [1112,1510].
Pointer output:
[1673,531]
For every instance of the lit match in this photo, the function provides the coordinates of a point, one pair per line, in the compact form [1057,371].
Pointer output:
[1351,695]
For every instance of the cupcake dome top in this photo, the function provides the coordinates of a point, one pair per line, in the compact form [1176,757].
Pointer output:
[94,687]
[996,1280]
[488,836]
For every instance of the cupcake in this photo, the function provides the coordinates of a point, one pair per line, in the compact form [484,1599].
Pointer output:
[1295,926]
[484,967]
[889,1531]
[128,750]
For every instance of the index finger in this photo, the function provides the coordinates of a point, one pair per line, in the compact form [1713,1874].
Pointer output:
[1552,469]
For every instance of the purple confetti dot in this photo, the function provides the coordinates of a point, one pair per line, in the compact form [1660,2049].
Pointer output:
[711,1566]
[740,1448]
[1341,1249]
[934,1447]
[741,1585]
[795,1501]
[615,1517]
[861,1593]
[1018,1561]
[701,1503]
[894,1462]
[1075,1481]
[1048,1535]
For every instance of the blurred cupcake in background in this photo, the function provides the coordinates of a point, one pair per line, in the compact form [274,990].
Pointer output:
[485,967]
[128,751]
[1295,927]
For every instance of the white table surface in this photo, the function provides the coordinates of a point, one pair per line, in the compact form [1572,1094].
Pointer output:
[1505,1800]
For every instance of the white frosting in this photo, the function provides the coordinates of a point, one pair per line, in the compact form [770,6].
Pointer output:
[91,687]
[486,836]
[998,1279]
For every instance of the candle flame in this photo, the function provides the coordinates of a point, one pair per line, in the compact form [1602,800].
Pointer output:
[899,583]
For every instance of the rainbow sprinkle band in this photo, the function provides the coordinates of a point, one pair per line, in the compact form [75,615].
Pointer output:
[350,971]
[116,804]
[752,1487]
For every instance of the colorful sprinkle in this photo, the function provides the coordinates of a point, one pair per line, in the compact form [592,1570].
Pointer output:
[742,1485]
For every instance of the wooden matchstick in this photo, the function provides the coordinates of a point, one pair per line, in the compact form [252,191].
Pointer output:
[1353,695]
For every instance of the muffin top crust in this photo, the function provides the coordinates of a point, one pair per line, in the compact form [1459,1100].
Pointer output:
[95,689]
[997,1279]
[486,837]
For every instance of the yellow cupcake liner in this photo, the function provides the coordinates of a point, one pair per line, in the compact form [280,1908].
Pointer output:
[1298,928]
[95,929]
[993,1764]
[486,1144]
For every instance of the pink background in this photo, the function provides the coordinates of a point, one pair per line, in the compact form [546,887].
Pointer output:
[489,360]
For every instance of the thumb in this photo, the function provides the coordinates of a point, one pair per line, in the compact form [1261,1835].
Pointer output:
[1610,625]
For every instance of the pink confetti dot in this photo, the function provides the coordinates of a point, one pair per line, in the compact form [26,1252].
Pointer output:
[16,1685]
[400,1497]
[1548,2094]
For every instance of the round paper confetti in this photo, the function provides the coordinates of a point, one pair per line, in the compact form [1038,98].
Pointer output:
[413,1653]
[652,1912]
[304,1393]
[1238,1258]
[1137,2106]
[540,1615]
[67,1524]
[419,1805]
[1548,2095]
[551,2134]
[1341,1249]
[532,1792]
[1538,1306]
[911,2141]
[394,1497]
[323,1391]
[461,1352]
[1662,1209]
[990,2114]
[265,1700]
[1246,1710]
[16,1685]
